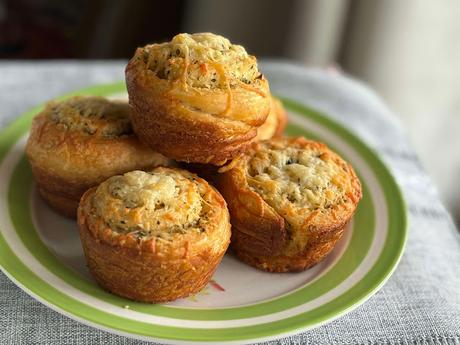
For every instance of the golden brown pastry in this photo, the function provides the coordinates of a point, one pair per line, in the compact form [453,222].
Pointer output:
[275,123]
[197,98]
[77,143]
[289,201]
[153,236]
[273,126]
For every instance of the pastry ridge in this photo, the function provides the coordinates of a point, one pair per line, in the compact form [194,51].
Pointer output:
[275,123]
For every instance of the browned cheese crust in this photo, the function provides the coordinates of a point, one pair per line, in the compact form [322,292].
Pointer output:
[77,143]
[197,98]
[153,236]
[289,200]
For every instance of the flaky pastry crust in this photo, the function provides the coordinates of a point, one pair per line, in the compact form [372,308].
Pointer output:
[273,126]
[275,123]
[289,200]
[77,143]
[197,98]
[153,236]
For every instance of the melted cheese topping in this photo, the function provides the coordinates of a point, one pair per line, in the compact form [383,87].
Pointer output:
[295,178]
[202,60]
[91,115]
[157,204]
[298,182]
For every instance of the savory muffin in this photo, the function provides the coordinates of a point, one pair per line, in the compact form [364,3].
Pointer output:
[289,201]
[275,123]
[198,98]
[153,236]
[77,143]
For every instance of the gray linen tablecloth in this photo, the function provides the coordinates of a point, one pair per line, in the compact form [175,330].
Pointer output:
[420,304]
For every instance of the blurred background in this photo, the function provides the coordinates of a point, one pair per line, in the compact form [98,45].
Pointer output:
[408,51]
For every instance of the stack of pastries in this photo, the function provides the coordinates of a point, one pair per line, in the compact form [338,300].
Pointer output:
[152,230]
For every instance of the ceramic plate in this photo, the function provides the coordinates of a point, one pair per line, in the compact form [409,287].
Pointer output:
[41,252]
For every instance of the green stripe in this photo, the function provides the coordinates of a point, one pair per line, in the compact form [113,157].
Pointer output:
[362,236]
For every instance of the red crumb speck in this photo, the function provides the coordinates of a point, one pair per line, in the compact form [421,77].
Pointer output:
[216,285]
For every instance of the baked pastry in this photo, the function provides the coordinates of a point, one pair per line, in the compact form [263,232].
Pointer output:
[275,123]
[197,98]
[289,201]
[78,143]
[153,236]
[273,126]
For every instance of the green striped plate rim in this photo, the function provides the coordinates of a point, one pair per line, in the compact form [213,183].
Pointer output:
[377,240]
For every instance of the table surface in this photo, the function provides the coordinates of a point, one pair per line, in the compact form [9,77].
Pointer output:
[420,304]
